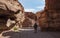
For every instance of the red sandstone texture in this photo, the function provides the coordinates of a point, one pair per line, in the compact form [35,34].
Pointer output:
[42,19]
[52,17]
[10,9]
[52,4]
[53,13]
[30,19]
[31,15]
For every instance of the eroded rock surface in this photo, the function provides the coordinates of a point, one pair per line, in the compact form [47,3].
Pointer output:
[52,18]
[13,10]
[52,8]
[30,19]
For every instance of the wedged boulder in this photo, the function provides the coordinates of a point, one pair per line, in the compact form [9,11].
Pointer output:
[13,10]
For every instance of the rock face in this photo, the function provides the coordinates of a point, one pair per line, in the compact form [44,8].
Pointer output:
[42,19]
[52,4]
[10,10]
[31,15]
[30,19]
[52,17]
[52,8]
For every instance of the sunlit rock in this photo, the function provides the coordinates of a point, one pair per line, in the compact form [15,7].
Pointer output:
[10,11]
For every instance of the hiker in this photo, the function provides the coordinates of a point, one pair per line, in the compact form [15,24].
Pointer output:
[35,27]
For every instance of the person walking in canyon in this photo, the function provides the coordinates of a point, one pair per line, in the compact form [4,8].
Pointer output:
[35,27]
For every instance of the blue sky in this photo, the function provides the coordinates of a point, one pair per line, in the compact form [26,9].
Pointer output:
[33,5]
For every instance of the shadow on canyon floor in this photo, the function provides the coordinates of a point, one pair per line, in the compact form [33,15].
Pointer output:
[31,34]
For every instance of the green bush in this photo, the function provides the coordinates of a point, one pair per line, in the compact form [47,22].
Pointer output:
[15,28]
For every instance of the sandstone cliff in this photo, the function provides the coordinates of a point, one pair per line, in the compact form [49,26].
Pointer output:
[30,19]
[52,17]
[10,10]
[42,19]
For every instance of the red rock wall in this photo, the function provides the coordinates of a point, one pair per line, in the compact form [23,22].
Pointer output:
[50,17]
[31,15]
[29,19]
[52,4]
[42,19]
[52,8]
